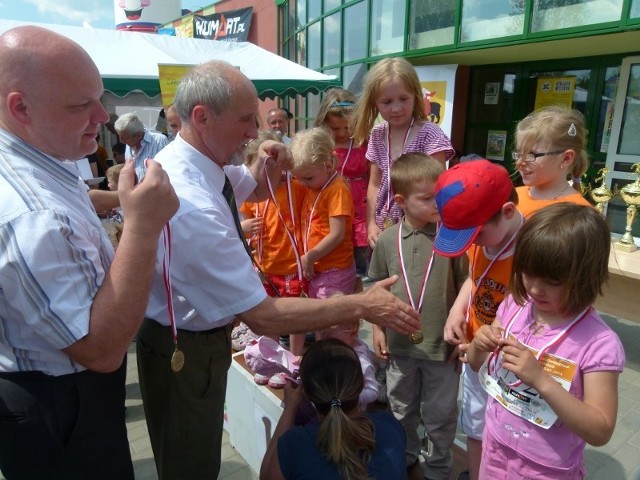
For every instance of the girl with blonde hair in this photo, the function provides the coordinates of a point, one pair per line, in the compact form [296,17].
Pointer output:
[393,91]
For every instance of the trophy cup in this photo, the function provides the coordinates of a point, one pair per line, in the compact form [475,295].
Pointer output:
[602,195]
[585,188]
[630,194]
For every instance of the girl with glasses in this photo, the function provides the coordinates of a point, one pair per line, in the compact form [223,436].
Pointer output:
[550,148]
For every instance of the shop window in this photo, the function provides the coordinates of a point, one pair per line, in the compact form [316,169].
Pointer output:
[331,39]
[605,112]
[313,46]
[635,9]
[301,11]
[431,23]
[315,9]
[486,19]
[387,28]
[329,5]
[490,115]
[301,48]
[353,77]
[555,14]
[354,32]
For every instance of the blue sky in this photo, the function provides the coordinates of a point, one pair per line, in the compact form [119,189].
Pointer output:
[95,13]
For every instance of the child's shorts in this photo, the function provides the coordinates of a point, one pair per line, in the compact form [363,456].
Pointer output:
[287,285]
[335,280]
[474,404]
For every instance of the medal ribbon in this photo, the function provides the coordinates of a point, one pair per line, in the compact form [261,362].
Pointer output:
[291,235]
[390,160]
[313,209]
[405,281]
[166,276]
[493,358]
[486,271]
[346,159]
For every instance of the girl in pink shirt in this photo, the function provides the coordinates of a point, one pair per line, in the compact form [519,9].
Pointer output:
[549,362]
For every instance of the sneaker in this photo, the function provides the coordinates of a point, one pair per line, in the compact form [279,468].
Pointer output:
[278,380]
[260,379]
[241,336]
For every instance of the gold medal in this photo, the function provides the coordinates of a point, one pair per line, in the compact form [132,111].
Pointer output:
[416,337]
[388,222]
[177,360]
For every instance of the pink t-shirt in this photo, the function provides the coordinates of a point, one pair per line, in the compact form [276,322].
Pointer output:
[594,347]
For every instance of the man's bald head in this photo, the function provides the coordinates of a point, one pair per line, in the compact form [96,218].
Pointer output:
[48,83]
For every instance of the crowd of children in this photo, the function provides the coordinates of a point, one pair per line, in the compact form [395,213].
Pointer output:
[504,279]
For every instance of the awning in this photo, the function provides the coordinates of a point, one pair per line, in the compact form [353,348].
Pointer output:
[128,61]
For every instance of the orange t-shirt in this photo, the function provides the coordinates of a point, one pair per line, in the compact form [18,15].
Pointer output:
[494,287]
[334,201]
[528,205]
[273,249]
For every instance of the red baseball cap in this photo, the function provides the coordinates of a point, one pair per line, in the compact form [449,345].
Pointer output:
[468,195]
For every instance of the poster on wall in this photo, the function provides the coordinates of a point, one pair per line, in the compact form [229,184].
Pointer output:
[491,93]
[555,91]
[438,84]
[496,144]
[169,76]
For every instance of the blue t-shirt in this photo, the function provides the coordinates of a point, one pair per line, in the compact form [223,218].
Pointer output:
[300,458]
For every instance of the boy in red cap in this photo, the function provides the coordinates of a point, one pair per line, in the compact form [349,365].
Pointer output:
[477,205]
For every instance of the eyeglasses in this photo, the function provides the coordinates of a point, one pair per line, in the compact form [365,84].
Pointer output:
[531,157]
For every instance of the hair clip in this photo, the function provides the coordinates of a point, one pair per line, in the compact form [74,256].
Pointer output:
[335,402]
[342,104]
[572,132]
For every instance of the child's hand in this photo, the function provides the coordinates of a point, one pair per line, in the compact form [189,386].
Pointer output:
[518,359]
[380,342]
[487,338]
[373,232]
[307,267]
[455,328]
[459,356]
[251,226]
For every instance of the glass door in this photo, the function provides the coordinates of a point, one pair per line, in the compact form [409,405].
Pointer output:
[624,147]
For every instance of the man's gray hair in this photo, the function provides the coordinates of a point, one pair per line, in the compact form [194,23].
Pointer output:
[129,123]
[206,84]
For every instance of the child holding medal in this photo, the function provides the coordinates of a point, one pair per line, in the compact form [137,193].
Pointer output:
[326,215]
[422,386]
[487,233]
[393,91]
[273,226]
[549,362]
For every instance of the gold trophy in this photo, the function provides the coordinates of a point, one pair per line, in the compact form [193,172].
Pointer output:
[602,195]
[585,188]
[630,194]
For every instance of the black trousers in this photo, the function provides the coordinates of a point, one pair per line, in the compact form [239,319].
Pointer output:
[68,427]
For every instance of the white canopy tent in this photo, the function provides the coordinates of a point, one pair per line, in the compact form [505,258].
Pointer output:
[128,61]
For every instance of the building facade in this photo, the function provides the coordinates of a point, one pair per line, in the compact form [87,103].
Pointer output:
[510,57]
